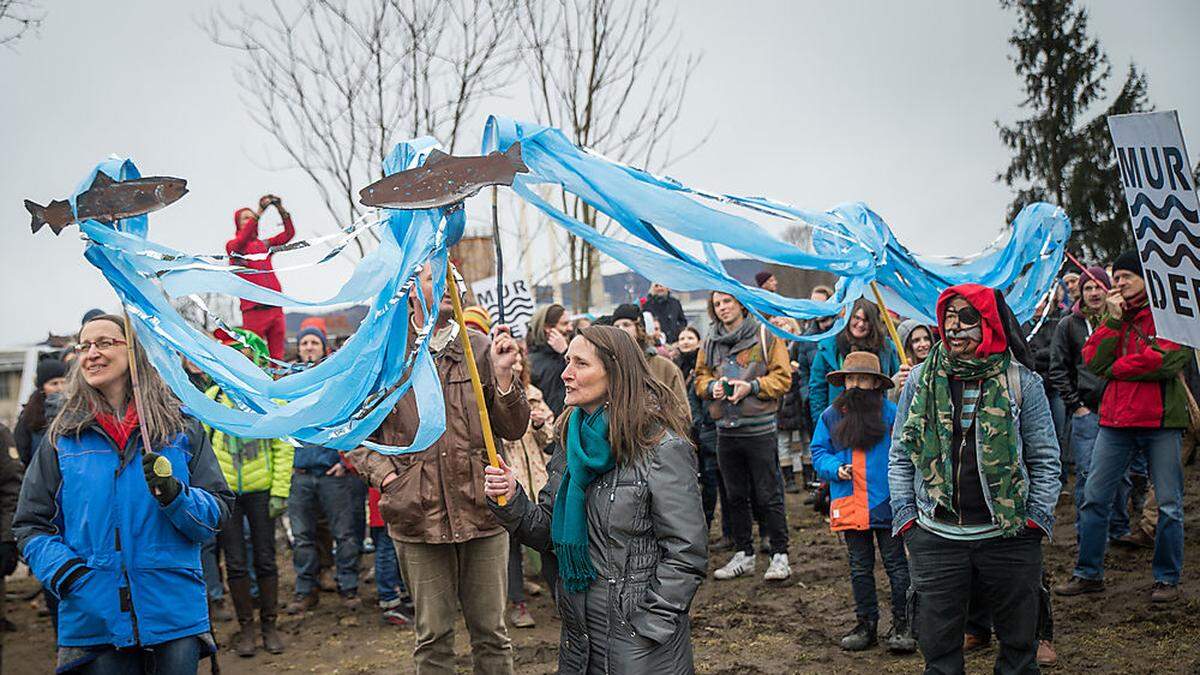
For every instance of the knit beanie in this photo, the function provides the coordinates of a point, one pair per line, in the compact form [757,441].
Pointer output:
[48,369]
[761,278]
[1129,262]
[313,330]
[627,311]
[478,318]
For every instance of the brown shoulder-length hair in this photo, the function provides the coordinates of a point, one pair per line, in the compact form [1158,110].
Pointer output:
[640,408]
[163,419]
[873,342]
[712,307]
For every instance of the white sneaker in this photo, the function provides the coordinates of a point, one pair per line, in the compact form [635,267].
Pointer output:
[738,565]
[779,568]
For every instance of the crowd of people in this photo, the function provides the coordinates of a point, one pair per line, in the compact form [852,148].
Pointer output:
[632,445]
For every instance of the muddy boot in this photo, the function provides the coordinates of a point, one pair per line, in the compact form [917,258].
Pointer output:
[864,636]
[789,481]
[244,641]
[268,610]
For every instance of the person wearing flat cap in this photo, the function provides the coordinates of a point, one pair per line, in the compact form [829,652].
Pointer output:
[850,447]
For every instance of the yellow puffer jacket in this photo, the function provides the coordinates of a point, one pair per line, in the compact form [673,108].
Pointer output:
[251,464]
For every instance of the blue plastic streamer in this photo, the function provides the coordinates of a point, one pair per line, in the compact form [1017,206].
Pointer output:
[343,399]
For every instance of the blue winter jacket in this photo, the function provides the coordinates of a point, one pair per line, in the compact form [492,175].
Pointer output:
[126,569]
[863,502]
[826,360]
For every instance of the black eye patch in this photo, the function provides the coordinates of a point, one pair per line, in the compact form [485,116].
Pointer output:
[967,316]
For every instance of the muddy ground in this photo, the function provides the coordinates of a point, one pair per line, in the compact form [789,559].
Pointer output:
[748,626]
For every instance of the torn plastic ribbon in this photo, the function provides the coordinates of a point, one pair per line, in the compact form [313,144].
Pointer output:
[336,403]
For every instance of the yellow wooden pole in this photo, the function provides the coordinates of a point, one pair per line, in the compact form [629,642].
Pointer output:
[489,440]
[887,321]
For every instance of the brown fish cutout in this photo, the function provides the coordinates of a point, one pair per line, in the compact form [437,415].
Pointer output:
[107,200]
[444,180]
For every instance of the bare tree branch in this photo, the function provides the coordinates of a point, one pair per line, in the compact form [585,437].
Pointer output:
[611,75]
[338,82]
[18,17]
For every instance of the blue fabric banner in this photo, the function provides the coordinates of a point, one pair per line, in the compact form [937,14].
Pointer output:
[343,399]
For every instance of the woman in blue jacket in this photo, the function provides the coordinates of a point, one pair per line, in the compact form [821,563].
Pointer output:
[113,528]
[864,332]
[850,448]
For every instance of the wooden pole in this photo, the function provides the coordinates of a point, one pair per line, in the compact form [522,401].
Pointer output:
[499,259]
[887,321]
[485,422]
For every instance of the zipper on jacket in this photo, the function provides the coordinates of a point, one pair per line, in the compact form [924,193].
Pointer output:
[958,478]
[137,640]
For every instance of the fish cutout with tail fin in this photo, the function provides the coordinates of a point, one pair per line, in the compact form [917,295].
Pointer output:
[107,201]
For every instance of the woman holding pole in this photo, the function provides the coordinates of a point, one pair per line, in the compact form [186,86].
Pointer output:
[621,511]
[114,509]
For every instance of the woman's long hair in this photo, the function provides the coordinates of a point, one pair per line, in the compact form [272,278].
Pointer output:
[162,419]
[862,424]
[873,342]
[640,408]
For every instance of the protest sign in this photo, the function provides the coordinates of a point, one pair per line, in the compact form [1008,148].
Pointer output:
[518,302]
[1161,195]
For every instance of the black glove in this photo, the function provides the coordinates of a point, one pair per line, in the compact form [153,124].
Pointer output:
[163,485]
[8,558]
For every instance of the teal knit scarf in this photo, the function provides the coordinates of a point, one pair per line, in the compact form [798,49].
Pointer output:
[589,456]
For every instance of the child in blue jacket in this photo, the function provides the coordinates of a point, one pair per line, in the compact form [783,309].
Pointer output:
[850,450]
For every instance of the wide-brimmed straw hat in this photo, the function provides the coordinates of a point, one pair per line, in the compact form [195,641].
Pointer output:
[859,363]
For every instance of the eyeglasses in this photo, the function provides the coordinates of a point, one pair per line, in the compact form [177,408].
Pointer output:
[103,344]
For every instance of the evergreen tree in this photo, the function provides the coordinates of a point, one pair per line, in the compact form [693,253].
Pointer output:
[1060,155]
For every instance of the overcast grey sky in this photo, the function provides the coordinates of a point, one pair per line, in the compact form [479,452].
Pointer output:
[813,103]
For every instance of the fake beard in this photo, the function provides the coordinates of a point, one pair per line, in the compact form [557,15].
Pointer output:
[861,425]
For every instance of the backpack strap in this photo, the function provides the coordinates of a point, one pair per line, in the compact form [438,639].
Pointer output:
[1013,377]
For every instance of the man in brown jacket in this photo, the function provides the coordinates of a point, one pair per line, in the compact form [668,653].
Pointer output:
[628,317]
[742,371]
[452,550]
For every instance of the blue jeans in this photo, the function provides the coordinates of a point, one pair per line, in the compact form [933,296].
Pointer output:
[1115,451]
[212,570]
[388,584]
[177,656]
[1083,439]
[1062,424]
[336,497]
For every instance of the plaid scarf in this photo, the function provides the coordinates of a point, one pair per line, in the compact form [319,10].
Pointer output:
[928,432]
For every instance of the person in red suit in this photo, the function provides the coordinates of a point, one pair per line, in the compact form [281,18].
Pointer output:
[265,320]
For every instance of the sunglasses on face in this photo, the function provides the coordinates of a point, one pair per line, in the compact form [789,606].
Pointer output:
[103,344]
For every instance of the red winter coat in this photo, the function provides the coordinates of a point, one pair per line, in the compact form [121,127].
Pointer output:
[246,242]
[1143,390]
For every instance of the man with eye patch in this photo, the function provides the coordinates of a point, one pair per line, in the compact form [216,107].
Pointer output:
[974,478]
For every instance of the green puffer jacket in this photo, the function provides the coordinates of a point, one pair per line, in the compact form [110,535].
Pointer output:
[251,464]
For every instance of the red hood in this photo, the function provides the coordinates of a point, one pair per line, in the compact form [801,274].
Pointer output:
[983,299]
[238,212]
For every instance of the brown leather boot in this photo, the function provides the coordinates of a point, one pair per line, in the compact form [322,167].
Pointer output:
[268,610]
[244,642]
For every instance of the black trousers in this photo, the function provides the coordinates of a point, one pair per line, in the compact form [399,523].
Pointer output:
[710,473]
[750,471]
[1008,571]
[255,508]
[860,545]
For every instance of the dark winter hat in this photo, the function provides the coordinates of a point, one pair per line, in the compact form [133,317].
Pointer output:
[627,311]
[313,330]
[761,278]
[48,369]
[1129,262]
[91,314]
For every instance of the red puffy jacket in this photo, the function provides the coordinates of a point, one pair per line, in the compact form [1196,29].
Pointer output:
[1143,390]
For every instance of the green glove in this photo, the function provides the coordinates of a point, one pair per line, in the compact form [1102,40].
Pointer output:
[163,485]
[277,507]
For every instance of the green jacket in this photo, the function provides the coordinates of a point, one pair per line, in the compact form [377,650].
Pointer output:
[251,464]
